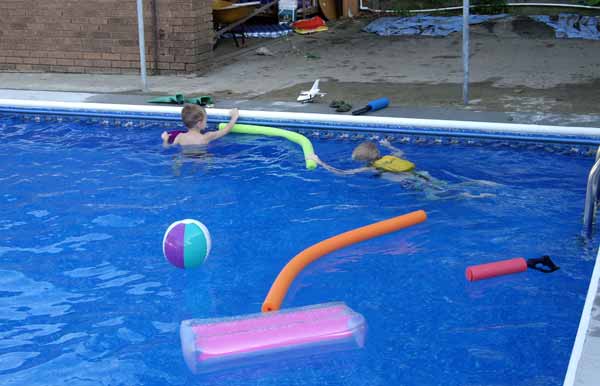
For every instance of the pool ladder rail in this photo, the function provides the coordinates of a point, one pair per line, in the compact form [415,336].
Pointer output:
[591,195]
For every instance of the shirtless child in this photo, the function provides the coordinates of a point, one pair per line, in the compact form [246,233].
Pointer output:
[194,118]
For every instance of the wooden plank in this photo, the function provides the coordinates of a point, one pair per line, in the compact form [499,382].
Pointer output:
[350,7]
[231,26]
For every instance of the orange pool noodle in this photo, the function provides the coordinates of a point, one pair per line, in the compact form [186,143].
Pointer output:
[299,262]
[498,268]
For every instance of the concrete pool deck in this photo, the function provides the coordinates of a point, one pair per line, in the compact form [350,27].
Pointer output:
[321,106]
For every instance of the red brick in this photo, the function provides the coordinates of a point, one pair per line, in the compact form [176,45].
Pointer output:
[79,20]
[124,50]
[17,12]
[92,55]
[101,36]
[124,35]
[130,56]
[11,60]
[72,55]
[127,43]
[64,62]
[101,70]
[84,62]
[119,64]
[98,20]
[102,63]
[111,56]
[47,61]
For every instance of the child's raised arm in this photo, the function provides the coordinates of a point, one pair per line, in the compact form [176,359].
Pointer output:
[235,114]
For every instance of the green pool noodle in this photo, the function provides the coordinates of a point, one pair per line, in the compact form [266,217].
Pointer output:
[301,140]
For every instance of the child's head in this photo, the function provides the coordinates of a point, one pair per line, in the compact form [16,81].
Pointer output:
[192,115]
[366,151]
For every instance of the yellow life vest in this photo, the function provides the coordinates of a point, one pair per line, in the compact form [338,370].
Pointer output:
[392,164]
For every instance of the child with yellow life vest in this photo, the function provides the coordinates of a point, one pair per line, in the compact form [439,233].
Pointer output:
[369,153]
[397,169]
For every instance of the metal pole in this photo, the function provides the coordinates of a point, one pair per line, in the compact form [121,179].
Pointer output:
[156,35]
[465,52]
[590,199]
[140,15]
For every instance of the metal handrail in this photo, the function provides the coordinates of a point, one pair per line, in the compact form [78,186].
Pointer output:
[591,195]
[598,181]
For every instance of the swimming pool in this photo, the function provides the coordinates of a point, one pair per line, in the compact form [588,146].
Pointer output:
[87,298]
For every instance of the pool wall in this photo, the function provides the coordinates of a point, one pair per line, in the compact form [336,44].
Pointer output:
[544,133]
[577,371]
[586,372]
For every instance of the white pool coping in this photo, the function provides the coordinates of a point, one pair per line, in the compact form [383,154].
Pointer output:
[584,324]
[513,128]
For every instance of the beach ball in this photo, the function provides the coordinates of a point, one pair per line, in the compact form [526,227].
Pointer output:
[186,243]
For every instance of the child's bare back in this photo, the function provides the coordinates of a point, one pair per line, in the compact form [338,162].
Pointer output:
[192,138]
[194,118]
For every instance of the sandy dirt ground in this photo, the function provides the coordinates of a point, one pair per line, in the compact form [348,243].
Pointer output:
[517,65]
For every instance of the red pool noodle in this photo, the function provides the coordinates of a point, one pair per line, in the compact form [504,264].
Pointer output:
[498,268]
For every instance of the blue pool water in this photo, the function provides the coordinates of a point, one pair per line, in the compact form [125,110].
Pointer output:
[86,297]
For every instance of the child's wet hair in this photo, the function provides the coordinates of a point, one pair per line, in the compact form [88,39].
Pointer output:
[366,151]
[191,115]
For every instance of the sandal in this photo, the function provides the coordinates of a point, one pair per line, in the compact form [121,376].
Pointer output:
[344,108]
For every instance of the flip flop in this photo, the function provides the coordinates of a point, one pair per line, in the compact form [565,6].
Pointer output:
[202,101]
[344,108]
[179,99]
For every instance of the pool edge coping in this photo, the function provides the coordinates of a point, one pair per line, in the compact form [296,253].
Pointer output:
[173,112]
[584,323]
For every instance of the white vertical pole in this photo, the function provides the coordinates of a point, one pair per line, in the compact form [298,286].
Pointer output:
[465,51]
[140,15]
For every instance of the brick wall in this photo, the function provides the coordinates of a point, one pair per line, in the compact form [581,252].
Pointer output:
[100,36]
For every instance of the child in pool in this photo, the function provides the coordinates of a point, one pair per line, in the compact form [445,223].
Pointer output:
[368,152]
[194,118]
[396,169]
